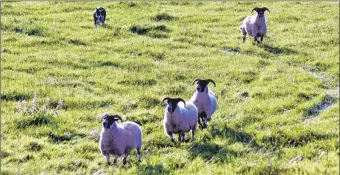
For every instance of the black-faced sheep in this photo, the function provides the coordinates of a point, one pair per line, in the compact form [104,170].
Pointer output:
[205,101]
[256,25]
[179,117]
[119,138]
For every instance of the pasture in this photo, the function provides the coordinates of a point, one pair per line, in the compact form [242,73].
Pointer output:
[278,102]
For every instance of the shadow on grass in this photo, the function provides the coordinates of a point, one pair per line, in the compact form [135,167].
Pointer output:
[277,50]
[152,169]
[211,152]
[14,97]
[239,136]
[325,103]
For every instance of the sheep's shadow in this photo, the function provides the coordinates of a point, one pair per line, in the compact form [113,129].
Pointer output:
[239,136]
[211,152]
[277,50]
[152,169]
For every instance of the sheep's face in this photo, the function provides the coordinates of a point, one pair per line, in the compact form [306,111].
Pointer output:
[172,103]
[171,106]
[100,11]
[260,11]
[108,121]
[202,85]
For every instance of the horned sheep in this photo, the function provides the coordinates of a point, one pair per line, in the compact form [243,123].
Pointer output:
[119,138]
[256,25]
[179,117]
[205,101]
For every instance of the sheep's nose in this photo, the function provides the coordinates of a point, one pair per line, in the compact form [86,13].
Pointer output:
[169,109]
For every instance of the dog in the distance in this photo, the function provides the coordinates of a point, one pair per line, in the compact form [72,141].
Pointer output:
[99,16]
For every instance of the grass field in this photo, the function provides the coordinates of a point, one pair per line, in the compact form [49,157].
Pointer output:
[278,101]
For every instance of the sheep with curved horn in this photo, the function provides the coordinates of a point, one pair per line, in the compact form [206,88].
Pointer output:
[179,117]
[119,138]
[205,101]
[256,25]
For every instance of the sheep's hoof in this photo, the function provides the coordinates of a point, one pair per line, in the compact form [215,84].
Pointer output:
[108,163]
[124,162]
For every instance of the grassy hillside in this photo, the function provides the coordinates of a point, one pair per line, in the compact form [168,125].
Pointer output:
[278,101]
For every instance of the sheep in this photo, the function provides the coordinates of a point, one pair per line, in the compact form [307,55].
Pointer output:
[119,138]
[179,118]
[205,101]
[256,25]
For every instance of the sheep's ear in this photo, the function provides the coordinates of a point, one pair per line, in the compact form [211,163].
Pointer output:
[265,8]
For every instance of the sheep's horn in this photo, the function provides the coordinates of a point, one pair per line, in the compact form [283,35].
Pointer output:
[255,9]
[165,98]
[117,117]
[197,79]
[180,99]
[210,80]
[265,8]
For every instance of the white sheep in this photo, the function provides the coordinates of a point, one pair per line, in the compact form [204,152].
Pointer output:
[205,101]
[119,138]
[179,118]
[256,25]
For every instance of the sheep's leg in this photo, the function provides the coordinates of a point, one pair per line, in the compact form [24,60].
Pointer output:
[256,38]
[115,159]
[182,137]
[171,137]
[244,33]
[138,154]
[179,136]
[206,121]
[124,159]
[202,116]
[108,159]
[205,124]
[193,133]
[261,38]
[199,122]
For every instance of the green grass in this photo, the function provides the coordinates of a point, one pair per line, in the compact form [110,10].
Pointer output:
[268,94]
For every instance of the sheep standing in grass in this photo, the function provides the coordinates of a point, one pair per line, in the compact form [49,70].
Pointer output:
[179,118]
[119,139]
[256,25]
[205,101]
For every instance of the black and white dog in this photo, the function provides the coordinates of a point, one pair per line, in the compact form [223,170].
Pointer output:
[99,16]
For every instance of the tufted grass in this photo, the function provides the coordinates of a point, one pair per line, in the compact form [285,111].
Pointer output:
[278,102]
